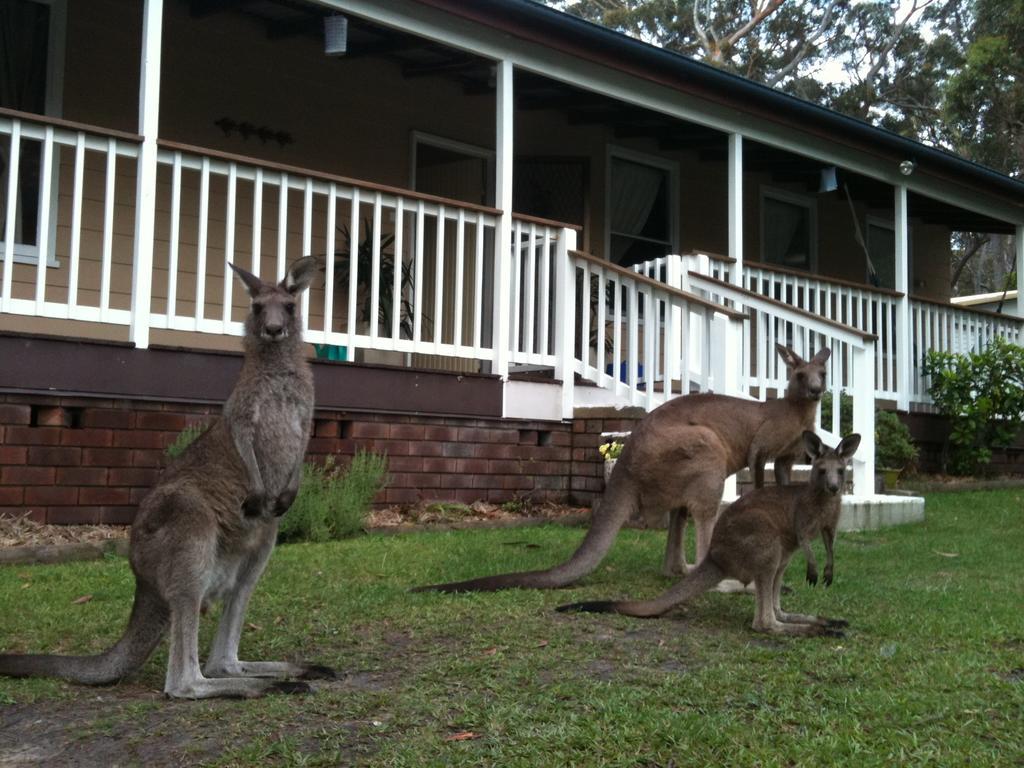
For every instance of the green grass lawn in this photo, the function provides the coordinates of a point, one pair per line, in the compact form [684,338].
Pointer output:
[931,672]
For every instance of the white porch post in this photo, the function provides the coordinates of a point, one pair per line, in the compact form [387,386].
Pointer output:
[565,319]
[503,201]
[145,194]
[1018,247]
[735,349]
[736,207]
[904,347]
[864,418]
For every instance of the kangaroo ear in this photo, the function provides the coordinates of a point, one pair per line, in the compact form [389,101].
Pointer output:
[789,357]
[300,275]
[252,283]
[822,356]
[848,447]
[812,444]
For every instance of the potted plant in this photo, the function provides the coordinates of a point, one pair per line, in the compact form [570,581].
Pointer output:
[610,452]
[893,449]
[387,302]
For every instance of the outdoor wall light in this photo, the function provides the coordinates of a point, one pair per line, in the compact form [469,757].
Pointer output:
[335,35]
[829,182]
[907,167]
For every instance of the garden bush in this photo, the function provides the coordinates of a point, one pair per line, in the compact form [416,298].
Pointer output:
[894,448]
[333,503]
[982,393]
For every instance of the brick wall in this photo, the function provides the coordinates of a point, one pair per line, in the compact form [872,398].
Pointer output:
[90,460]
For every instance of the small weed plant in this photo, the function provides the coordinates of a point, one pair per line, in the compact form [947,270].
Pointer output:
[982,393]
[185,438]
[333,503]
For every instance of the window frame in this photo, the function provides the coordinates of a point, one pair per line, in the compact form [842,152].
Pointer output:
[53,100]
[810,203]
[671,167]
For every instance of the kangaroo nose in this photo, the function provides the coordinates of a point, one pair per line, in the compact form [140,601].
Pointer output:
[273,331]
[833,488]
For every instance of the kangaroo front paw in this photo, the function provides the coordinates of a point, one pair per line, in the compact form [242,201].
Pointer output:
[254,504]
[284,501]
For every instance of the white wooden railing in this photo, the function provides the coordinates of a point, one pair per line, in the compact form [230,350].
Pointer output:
[851,364]
[947,328]
[933,326]
[633,335]
[416,286]
[52,172]
[534,256]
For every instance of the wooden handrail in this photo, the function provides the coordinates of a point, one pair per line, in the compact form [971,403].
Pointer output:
[70,125]
[545,222]
[752,295]
[711,255]
[175,146]
[691,298]
[823,278]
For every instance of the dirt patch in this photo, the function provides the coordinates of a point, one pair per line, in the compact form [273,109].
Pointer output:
[433,514]
[25,532]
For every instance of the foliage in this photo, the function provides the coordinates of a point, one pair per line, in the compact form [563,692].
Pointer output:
[610,450]
[982,393]
[385,276]
[893,446]
[185,438]
[333,504]
[845,412]
[984,99]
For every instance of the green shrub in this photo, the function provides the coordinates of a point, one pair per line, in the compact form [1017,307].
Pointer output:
[893,447]
[982,393]
[333,504]
[845,412]
[185,438]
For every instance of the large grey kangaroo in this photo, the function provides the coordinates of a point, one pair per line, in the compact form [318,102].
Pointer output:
[754,540]
[677,459]
[206,531]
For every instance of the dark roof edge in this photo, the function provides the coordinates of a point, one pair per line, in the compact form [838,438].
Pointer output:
[537,21]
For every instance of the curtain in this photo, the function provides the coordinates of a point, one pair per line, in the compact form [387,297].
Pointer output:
[634,190]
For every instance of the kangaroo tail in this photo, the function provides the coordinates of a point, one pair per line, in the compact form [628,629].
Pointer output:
[146,626]
[618,504]
[699,580]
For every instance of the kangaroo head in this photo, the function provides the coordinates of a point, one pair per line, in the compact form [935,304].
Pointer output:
[828,465]
[272,316]
[806,378]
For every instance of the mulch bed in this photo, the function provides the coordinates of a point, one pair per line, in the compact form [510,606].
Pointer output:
[23,540]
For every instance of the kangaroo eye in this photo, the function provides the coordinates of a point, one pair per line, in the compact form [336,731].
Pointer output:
[257,308]
[290,308]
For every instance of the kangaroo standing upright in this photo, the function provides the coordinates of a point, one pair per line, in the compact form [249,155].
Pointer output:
[678,458]
[754,541]
[206,531]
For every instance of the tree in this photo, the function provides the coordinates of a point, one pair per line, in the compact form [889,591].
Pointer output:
[983,108]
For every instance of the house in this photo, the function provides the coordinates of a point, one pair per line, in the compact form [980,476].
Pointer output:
[534,205]
[998,301]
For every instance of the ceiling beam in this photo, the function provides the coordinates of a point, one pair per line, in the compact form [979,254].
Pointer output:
[199,9]
[442,67]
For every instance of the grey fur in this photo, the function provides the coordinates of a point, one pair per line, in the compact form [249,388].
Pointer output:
[677,459]
[206,530]
[754,541]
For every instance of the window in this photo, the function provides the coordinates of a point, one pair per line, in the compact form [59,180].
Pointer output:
[641,208]
[31,69]
[881,234]
[788,230]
